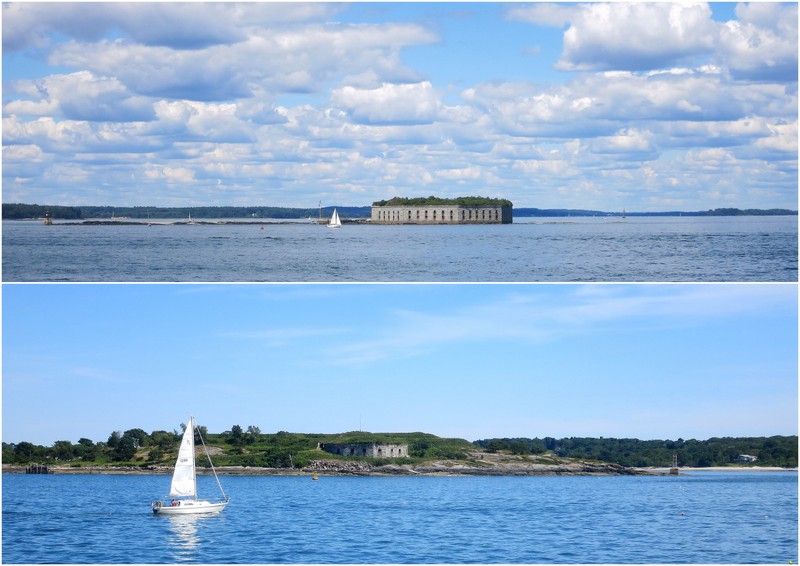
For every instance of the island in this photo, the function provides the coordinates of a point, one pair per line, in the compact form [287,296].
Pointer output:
[434,210]
[240,451]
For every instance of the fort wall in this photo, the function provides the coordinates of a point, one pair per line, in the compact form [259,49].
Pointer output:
[366,449]
[441,214]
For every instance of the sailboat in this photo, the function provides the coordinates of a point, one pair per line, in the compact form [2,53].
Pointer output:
[184,482]
[335,222]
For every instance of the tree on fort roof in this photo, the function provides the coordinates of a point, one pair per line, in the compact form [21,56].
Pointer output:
[436,201]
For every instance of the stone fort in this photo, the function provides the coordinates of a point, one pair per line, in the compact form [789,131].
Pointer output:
[367,449]
[442,211]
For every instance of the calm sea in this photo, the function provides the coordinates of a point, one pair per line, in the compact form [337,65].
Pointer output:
[705,517]
[581,249]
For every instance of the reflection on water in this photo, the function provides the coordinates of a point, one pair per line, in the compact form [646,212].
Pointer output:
[183,539]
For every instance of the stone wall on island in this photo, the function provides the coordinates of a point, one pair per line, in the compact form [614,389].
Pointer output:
[367,449]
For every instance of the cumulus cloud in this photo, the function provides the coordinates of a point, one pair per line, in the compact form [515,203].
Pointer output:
[169,174]
[389,103]
[275,61]
[600,104]
[782,138]
[80,96]
[209,122]
[172,24]
[627,36]
[629,141]
[761,44]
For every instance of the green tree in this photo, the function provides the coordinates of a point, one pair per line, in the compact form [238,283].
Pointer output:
[87,450]
[140,437]
[237,435]
[63,450]
[8,453]
[125,450]
[26,452]
[253,434]
[198,432]
[113,439]
[519,447]
[163,439]
[155,455]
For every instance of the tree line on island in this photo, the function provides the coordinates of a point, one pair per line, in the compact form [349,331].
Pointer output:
[436,201]
[778,451]
[251,447]
[18,211]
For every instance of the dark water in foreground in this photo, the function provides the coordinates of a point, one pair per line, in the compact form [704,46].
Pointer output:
[582,249]
[706,517]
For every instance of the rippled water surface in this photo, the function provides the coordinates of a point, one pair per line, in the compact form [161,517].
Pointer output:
[583,249]
[706,517]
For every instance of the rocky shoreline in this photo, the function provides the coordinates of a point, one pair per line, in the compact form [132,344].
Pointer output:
[362,468]
[475,464]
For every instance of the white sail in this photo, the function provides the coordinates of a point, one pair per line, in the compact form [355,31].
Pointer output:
[335,222]
[183,479]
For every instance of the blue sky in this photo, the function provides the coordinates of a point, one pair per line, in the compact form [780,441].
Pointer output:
[643,106]
[469,361]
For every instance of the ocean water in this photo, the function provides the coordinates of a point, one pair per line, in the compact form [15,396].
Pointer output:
[645,249]
[703,517]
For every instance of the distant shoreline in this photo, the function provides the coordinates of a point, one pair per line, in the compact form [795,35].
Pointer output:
[115,214]
[518,219]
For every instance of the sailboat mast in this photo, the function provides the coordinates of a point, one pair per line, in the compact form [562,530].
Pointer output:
[194,467]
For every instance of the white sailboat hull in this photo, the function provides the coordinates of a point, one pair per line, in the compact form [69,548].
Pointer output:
[189,507]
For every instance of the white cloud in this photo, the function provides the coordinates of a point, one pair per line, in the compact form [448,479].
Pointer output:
[762,44]
[628,141]
[782,138]
[274,61]
[559,167]
[80,96]
[546,14]
[389,103]
[629,36]
[169,174]
[462,174]
[175,24]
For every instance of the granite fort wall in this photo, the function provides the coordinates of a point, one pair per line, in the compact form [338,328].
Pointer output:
[369,450]
[441,214]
